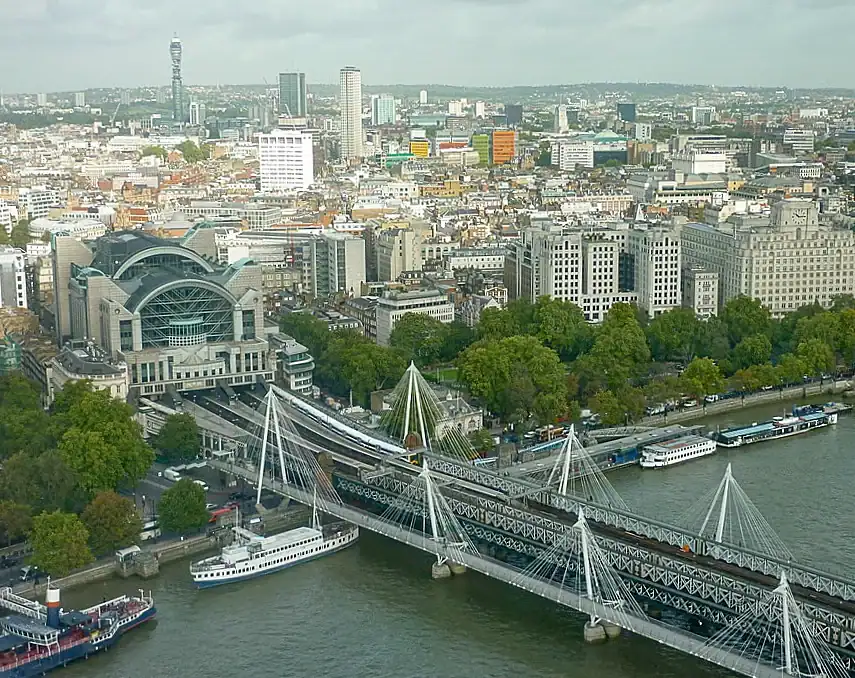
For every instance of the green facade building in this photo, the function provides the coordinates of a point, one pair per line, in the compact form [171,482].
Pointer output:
[481,144]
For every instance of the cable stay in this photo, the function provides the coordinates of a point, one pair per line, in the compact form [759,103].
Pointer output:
[423,511]
[777,634]
[577,563]
[576,474]
[727,515]
[418,419]
[275,451]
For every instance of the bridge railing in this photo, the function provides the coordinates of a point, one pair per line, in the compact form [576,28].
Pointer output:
[664,634]
[833,585]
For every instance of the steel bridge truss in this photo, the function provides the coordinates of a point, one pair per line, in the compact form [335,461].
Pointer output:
[680,583]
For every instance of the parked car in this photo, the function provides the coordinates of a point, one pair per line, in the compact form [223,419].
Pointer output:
[29,572]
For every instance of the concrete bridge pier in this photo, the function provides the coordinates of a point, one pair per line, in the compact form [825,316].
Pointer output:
[440,570]
[594,632]
[456,568]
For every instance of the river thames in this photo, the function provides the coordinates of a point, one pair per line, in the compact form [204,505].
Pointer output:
[373,611]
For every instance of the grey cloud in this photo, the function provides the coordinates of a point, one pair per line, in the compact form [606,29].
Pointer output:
[70,44]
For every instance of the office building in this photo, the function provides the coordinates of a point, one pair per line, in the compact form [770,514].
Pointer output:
[8,216]
[627,112]
[703,115]
[350,102]
[568,153]
[125,97]
[398,250]
[787,260]
[175,318]
[799,141]
[296,364]
[504,146]
[562,124]
[393,306]
[292,95]
[480,109]
[13,278]
[486,259]
[481,145]
[513,114]
[383,109]
[643,131]
[286,160]
[423,97]
[571,265]
[175,54]
[700,291]
[198,113]
[36,202]
[455,107]
[41,99]
[79,99]
[657,261]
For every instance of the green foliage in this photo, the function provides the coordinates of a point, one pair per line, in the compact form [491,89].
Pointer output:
[517,378]
[112,522]
[23,423]
[561,326]
[754,377]
[622,406]
[4,237]
[790,369]
[353,362]
[662,389]
[193,153]
[182,507]
[701,378]
[753,350]
[482,440]
[674,335]
[620,348]
[99,440]
[497,324]
[419,337]
[20,235]
[745,317]
[60,543]
[816,356]
[15,521]
[43,483]
[158,151]
[178,439]
[310,331]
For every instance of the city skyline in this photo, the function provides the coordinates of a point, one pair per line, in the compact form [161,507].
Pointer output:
[620,41]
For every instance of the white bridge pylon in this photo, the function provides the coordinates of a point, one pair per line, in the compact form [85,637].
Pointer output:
[421,508]
[575,562]
[277,454]
[779,636]
[731,517]
[578,475]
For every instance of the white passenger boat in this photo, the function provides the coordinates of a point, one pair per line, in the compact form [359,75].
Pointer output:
[253,556]
[676,451]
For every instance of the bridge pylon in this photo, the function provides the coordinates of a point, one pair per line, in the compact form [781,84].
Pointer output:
[418,419]
[779,635]
[730,517]
[423,509]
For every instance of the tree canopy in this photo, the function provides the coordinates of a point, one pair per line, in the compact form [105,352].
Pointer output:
[182,507]
[702,377]
[158,151]
[60,543]
[193,153]
[112,522]
[178,439]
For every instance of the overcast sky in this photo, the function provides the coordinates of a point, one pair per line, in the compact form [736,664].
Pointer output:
[52,45]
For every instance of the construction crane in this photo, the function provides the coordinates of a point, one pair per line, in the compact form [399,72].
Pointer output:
[115,113]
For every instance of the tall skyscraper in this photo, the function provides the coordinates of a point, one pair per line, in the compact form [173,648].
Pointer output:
[627,112]
[514,114]
[423,97]
[286,160]
[41,98]
[198,113]
[175,52]
[350,101]
[125,97]
[79,99]
[383,110]
[562,124]
[480,109]
[292,94]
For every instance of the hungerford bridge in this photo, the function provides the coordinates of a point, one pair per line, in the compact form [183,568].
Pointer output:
[730,590]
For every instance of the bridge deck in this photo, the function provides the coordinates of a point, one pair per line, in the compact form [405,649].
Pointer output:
[661,633]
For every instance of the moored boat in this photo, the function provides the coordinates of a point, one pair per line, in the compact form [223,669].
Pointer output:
[677,451]
[803,419]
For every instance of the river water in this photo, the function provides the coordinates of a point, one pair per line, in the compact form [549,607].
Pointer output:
[373,611]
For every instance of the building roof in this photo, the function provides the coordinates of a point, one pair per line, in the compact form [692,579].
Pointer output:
[79,361]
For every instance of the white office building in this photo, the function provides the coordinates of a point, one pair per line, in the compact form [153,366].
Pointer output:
[700,291]
[562,124]
[286,160]
[786,261]
[350,102]
[393,306]
[79,99]
[423,97]
[8,216]
[13,280]
[383,109]
[567,153]
[657,260]
[480,109]
[198,113]
[799,141]
[37,201]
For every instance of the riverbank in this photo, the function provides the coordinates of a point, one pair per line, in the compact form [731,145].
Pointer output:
[167,551]
[763,398]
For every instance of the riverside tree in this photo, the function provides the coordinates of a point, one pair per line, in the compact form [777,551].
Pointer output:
[112,522]
[182,507]
[178,439]
[60,543]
